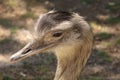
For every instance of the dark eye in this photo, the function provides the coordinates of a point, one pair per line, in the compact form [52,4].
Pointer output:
[57,34]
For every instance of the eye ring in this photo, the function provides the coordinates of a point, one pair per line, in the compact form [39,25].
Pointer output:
[57,34]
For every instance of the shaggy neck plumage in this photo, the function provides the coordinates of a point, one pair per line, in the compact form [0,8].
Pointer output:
[71,61]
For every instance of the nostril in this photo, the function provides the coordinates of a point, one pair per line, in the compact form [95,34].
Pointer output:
[26,51]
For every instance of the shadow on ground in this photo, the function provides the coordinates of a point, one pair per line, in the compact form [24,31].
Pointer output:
[103,16]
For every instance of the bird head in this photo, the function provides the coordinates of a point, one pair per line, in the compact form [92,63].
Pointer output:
[53,30]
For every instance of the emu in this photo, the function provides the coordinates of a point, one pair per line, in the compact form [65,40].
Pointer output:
[68,36]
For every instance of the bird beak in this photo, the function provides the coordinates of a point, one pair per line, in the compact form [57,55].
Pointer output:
[29,50]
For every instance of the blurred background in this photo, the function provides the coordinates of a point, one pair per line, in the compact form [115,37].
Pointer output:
[18,15]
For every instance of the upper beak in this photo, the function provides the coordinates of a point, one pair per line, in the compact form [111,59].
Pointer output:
[29,50]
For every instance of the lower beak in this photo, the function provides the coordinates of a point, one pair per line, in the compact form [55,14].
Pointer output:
[28,51]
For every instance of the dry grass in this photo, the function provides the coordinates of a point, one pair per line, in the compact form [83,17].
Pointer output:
[15,16]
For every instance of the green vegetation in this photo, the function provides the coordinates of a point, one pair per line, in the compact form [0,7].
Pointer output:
[23,78]
[6,40]
[107,44]
[1,76]
[13,29]
[5,22]
[103,15]
[42,78]
[8,78]
[104,55]
[113,20]
[28,15]
[94,78]
[12,3]
[103,35]
[117,41]
[42,68]
[9,24]
[89,1]
[29,2]
[26,64]
[113,7]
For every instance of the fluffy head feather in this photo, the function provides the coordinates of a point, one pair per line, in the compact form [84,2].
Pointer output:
[65,33]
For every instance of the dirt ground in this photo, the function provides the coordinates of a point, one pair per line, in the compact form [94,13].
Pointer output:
[17,16]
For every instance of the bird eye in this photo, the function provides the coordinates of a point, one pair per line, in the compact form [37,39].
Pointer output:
[57,34]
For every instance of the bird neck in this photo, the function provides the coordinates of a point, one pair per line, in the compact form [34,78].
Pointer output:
[71,62]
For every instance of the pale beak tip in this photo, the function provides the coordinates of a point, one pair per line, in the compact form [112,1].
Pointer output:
[13,58]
